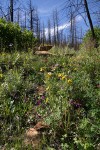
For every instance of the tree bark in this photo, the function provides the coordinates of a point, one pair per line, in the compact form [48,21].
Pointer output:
[31,15]
[89,18]
[49,31]
[54,28]
[11,10]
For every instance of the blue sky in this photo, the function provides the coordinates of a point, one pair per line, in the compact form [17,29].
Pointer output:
[46,7]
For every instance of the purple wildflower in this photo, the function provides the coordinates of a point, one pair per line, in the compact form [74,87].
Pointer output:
[42,97]
[38,102]
[75,103]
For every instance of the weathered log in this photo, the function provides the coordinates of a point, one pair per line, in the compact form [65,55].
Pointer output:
[44,53]
[44,48]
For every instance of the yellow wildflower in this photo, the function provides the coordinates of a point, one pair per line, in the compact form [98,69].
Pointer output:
[47,88]
[75,69]
[63,64]
[41,69]
[1,75]
[53,69]
[59,75]
[49,74]
[69,81]
[63,77]
[46,100]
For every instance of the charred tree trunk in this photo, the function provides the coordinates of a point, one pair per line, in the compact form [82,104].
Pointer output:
[89,18]
[49,32]
[54,28]
[11,10]
[57,25]
[18,16]
[43,38]
[25,20]
[31,21]
[31,9]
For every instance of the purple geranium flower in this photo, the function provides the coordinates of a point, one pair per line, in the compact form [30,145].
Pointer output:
[38,102]
[43,97]
[75,103]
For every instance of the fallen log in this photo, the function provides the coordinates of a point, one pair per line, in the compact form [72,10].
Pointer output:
[44,53]
[45,48]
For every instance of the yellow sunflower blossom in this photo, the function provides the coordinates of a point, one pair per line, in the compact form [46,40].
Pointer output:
[75,69]
[63,77]
[47,100]
[59,75]
[49,74]
[69,81]
[1,75]
[47,88]
[41,69]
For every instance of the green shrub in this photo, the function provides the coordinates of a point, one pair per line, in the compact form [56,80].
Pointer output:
[13,38]
[70,102]
[87,40]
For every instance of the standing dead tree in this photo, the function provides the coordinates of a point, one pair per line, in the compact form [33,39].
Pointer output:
[81,7]
[89,19]
[49,31]
[57,26]
[11,11]
[5,14]
[31,9]
[54,28]
[43,35]
[55,17]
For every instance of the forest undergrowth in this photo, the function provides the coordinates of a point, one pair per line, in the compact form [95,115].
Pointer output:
[69,102]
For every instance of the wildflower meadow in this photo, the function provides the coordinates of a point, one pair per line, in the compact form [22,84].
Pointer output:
[61,91]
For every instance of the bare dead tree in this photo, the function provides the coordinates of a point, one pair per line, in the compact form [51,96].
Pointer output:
[43,35]
[11,11]
[57,26]
[18,15]
[81,7]
[33,19]
[38,28]
[61,38]
[2,13]
[89,18]
[54,28]
[36,24]
[25,20]
[8,10]
[31,9]
[8,14]
[49,31]
[72,28]
[72,36]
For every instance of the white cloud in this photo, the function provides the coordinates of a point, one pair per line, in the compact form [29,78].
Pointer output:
[78,18]
[62,27]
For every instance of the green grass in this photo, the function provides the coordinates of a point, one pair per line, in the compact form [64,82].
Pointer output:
[62,51]
[70,103]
